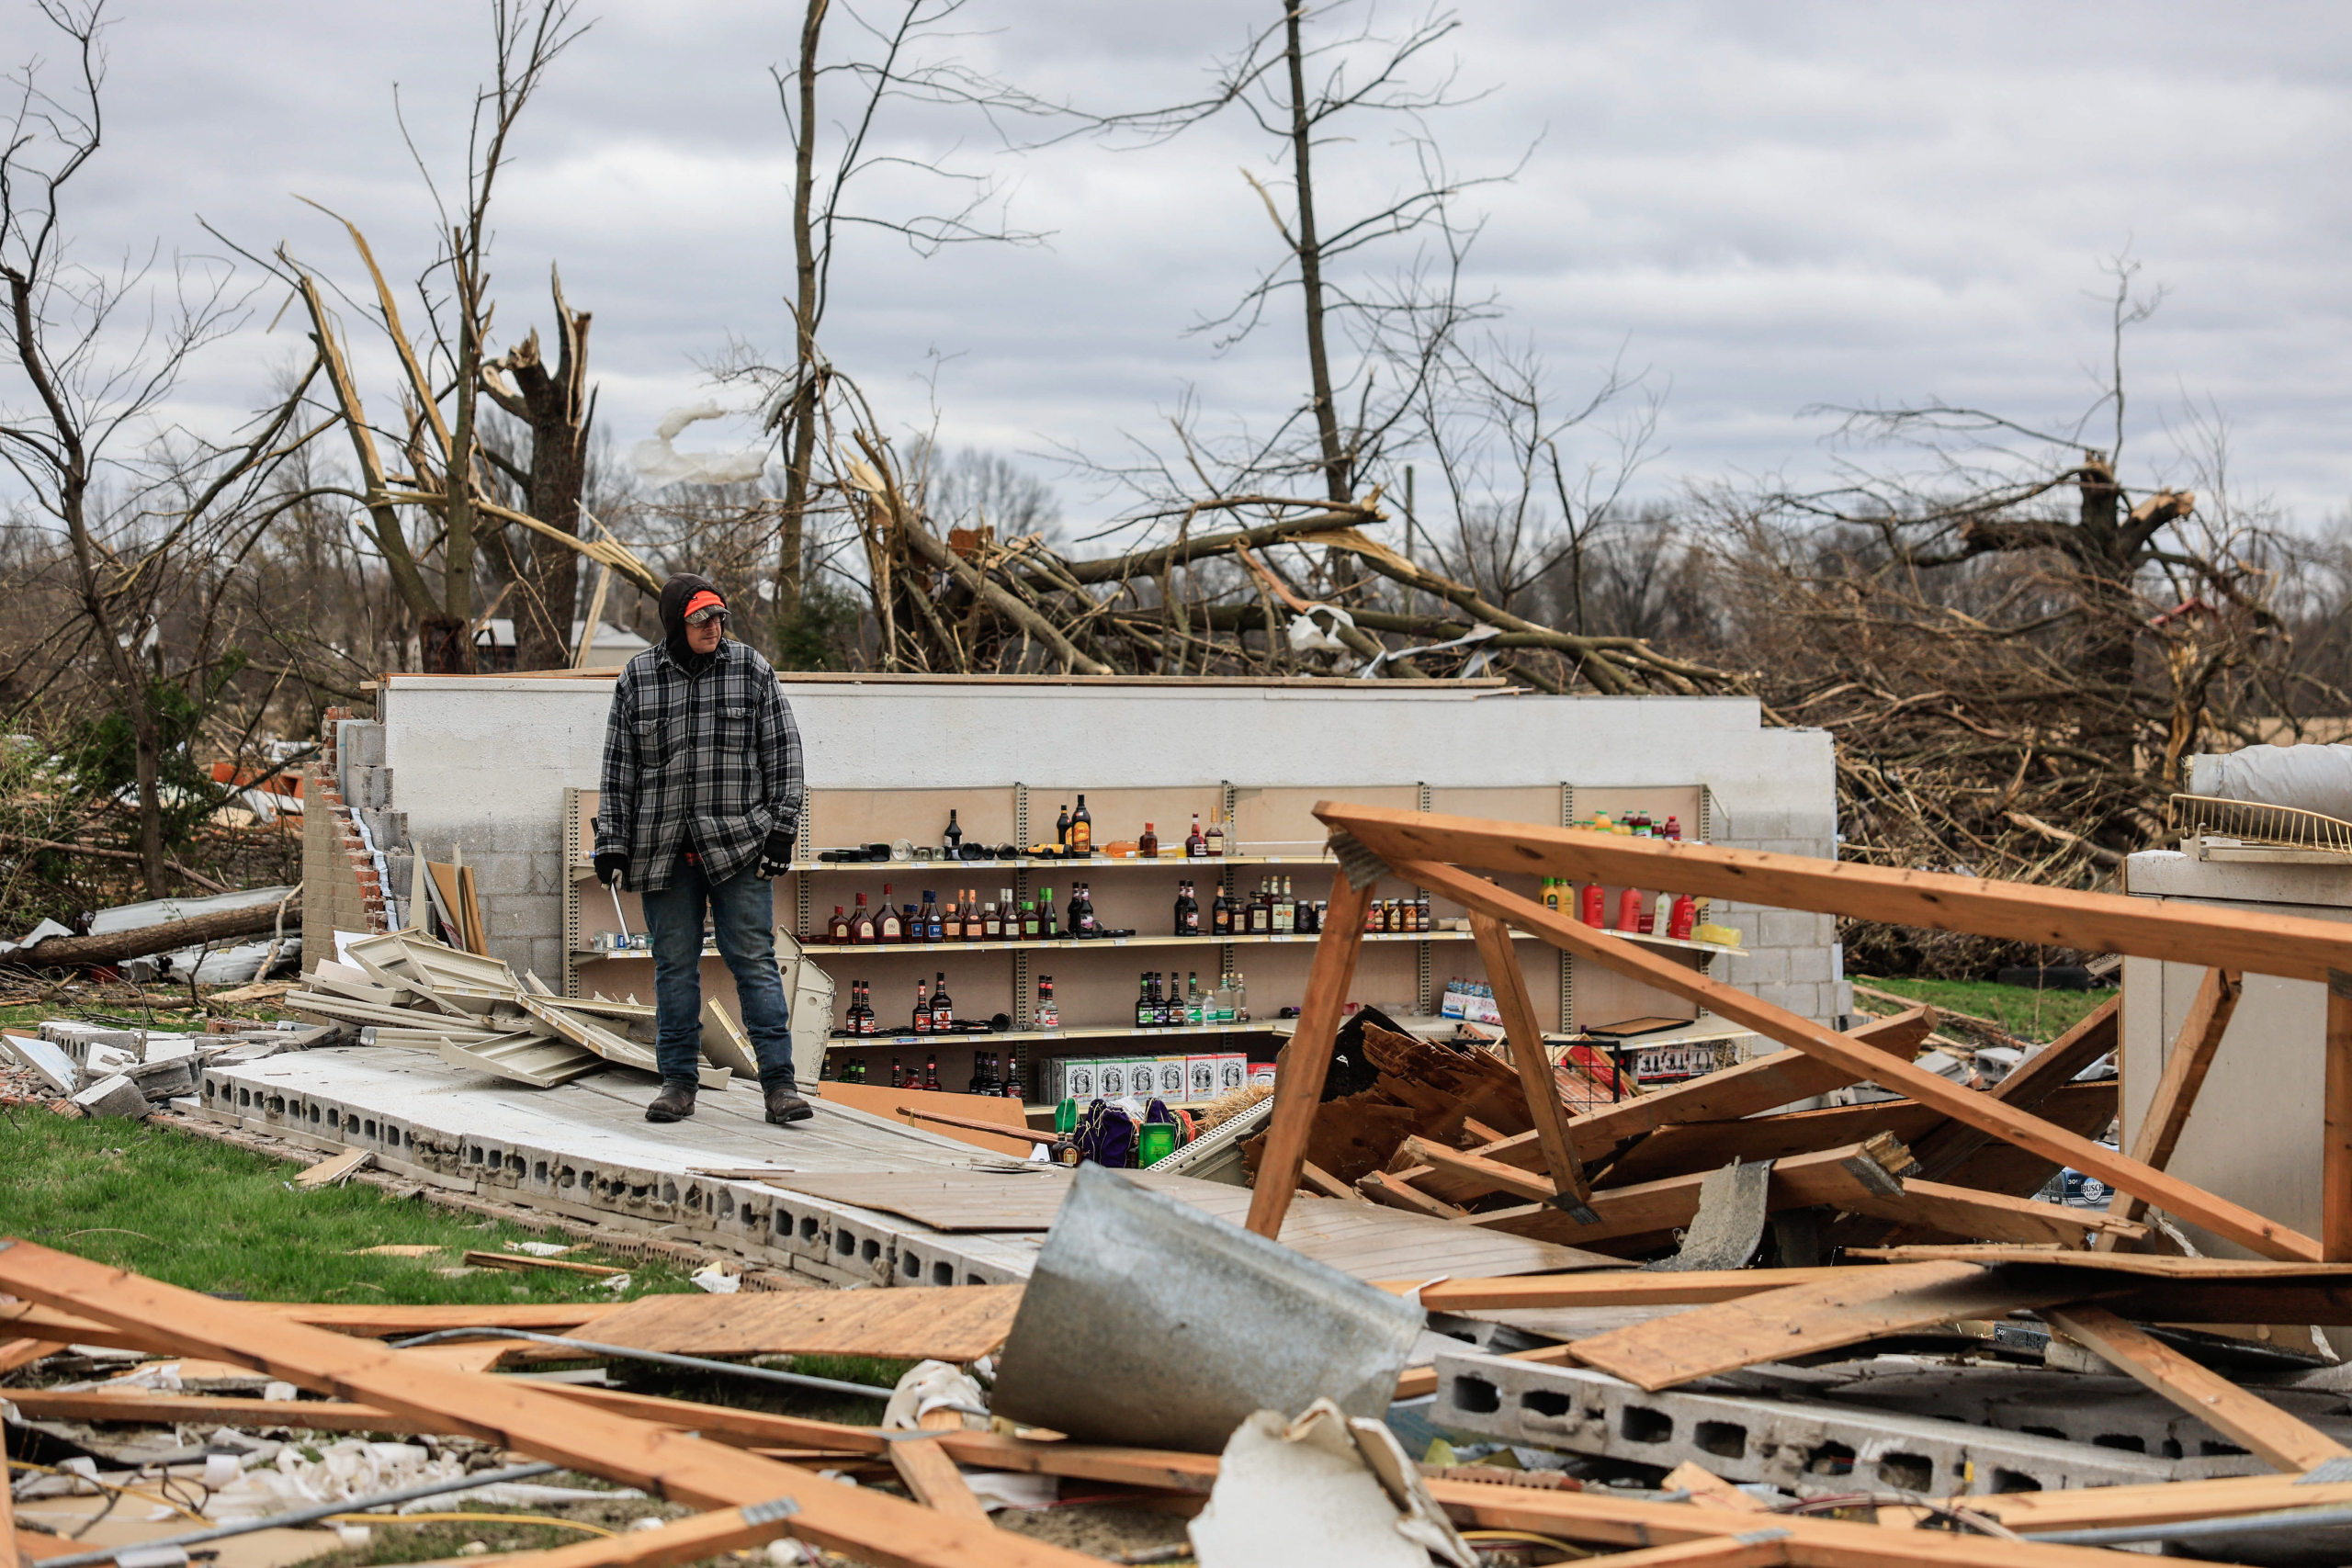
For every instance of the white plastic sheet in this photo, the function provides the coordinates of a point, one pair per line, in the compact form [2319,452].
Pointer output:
[2308,778]
[662,464]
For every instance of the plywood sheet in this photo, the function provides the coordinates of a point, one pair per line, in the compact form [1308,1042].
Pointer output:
[945,1199]
[880,1099]
[960,1323]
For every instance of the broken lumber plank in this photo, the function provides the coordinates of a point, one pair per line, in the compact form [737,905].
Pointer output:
[2160,1503]
[2280,1438]
[15,1353]
[140,1405]
[1767,1546]
[1711,1491]
[693,1540]
[2231,1221]
[1395,1189]
[855,1521]
[524,1263]
[331,1170]
[1321,1182]
[1496,1176]
[1608,1288]
[1306,1061]
[1652,1208]
[934,1478]
[1803,1319]
[1524,1039]
[1681,1147]
[1764,1084]
[1977,1216]
[2186,1064]
[961,1323]
[2245,940]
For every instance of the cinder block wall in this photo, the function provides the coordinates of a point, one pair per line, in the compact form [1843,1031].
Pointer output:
[1794,959]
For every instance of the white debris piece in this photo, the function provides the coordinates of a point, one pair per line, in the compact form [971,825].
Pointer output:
[1321,1489]
[115,1096]
[662,464]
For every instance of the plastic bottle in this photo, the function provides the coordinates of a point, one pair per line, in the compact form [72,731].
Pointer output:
[1629,910]
[1591,905]
[1684,919]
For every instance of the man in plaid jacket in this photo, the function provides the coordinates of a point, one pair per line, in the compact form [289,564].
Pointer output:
[702,796]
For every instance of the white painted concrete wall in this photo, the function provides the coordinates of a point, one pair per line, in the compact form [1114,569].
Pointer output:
[482,761]
[2254,1135]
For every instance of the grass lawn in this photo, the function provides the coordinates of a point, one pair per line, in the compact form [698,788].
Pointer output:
[210,1217]
[2027,1013]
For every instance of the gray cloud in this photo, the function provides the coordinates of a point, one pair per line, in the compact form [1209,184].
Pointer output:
[1769,207]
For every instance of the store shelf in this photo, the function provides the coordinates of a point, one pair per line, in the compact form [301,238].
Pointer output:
[1025,1036]
[583,869]
[880,948]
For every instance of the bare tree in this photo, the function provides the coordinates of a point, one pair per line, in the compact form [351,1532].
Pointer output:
[76,431]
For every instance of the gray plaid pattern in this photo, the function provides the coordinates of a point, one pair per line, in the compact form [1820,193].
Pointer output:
[707,762]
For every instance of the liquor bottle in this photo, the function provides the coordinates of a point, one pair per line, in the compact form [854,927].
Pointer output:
[992,923]
[870,1019]
[1143,1001]
[853,1022]
[1195,1009]
[1188,911]
[912,925]
[1029,925]
[837,930]
[1082,829]
[1240,998]
[943,1011]
[897,1073]
[1215,849]
[976,925]
[1061,827]
[861,924]
[1310,917]
[1372,916]
[977,1083]
[1013,1083]
[954,837]
[1049,925]
[1257,914]
[1195,846]
[922,1008]
[857,1070]
[1083,924]
[1221,914]
[930,1074]
[888,925]
[825,1073]
[1288,904]
[1421,911]
[1148,846]
[1160,1018]
[1048,1015]
[926,919]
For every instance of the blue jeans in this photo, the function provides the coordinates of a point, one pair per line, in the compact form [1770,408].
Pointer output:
[742,914]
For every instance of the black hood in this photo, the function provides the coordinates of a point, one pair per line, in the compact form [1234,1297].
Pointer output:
[675,595]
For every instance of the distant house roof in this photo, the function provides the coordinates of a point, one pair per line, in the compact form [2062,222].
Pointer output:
[613,645]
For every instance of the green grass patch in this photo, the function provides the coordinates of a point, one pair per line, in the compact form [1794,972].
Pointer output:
[2024,1011]
[208,1216]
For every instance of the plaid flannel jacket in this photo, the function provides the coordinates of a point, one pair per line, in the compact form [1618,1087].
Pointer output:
[707,762]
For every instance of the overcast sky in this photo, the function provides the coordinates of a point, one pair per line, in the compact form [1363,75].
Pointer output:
[1763,207]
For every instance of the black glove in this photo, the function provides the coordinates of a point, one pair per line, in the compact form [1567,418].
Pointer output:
[776,855]
[611,867]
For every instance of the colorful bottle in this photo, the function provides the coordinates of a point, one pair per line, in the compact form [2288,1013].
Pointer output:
[1196,845]
[837,930]
[930,1074]
[1629,910]
[922,1008]
[1048,1015]
[861,923]
[943,1011]
[1082,829]
[1148,846]
[1684,919]
[888,925]
[1061,827]
[1592,905]
[1216,836]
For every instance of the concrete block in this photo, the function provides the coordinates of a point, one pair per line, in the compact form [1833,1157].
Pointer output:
[547,871]
[1784,928]
[402,864]
[546,960]
[523,915]
[504,875]
[116,1096]
[360,742]
[48,1061]
[1762,966]
[1809,965]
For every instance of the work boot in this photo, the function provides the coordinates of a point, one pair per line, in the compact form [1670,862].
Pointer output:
[674,1103]
[784,1104]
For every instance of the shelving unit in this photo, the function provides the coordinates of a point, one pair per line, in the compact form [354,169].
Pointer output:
[1398,973]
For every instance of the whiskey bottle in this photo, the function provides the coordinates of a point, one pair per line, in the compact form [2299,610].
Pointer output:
[825,1069]
[1197,847]
[837,929]
[1188,911]
[1061,827]
[943,1011]
[992,923]
[897,1073]
[1048,1015]
[930,1074]
[861,925]
[954,837]
[1421,911]
[1148,846]
[1221,914]
[1082,914]
[1216,837]
[913,925]
[927,921]
[922,1008]
[888,925]
[1012,1084]
[1029,925]
[1082,829]
[1049,926]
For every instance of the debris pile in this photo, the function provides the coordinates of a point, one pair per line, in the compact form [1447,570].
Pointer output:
[1747,1336]
[102,1071]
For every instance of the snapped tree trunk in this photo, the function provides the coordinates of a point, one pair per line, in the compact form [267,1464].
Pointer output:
[113,947]
[559,407]
[1339,483]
